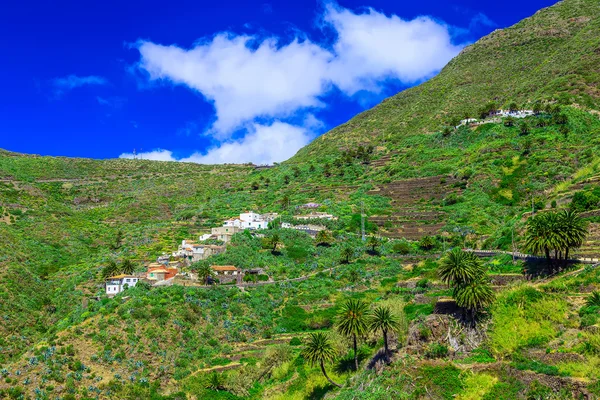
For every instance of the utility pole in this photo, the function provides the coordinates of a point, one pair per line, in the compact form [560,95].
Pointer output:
[532,206]
[362,220]
[134,154]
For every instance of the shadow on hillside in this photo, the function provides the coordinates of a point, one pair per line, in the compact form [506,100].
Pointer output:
[319,392]
[346,364]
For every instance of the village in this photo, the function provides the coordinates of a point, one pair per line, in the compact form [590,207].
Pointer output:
[172,269]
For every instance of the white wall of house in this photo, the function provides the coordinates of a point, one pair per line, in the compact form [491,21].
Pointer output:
[116,286]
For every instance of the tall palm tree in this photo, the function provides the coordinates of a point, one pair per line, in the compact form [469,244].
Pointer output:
[382,319]
[352,322]
[574,228]
[459,267]
[319,350]
[545,234]
[474,295]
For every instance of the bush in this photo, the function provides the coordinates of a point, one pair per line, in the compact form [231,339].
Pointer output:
[402,248]
[436,350]
[295,341]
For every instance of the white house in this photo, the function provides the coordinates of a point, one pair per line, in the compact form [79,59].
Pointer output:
[116,284]
[250,220]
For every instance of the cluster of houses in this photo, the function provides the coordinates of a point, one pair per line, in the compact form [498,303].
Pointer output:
[164,271]
[500,113]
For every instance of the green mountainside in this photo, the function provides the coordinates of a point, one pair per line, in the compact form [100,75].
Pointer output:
[424,185]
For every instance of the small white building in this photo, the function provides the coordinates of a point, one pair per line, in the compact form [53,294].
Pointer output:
[117,284]
[250,220]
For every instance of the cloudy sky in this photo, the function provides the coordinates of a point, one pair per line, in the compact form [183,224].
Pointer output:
[217,82]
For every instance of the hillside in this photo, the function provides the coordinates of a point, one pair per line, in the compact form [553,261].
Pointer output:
[553,55]
[424,184]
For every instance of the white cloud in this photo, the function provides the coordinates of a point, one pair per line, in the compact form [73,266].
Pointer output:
[74,81]
[243,83]
[372,47]
[263,144]
[246,77]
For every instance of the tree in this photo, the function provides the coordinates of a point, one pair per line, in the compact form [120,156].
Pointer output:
[319,350]
[127,267]
[373,243]
[347,254]
[215,381]
[254,185]
[537,108]
[286,179]
[509,122]
[426,243]
[274,242]
[513,106]
[352,322]
[474,295]
[464,271]
[324,238]
[575,230]
[458,267]
[204,271]
[383,320]
[555,232]
[110,269]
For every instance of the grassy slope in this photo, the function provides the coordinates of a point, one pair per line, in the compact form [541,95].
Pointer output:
[64,213]
[553,54]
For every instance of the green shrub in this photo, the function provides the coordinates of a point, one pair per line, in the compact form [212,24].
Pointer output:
[436,350]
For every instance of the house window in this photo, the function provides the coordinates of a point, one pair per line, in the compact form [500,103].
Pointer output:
[127,280]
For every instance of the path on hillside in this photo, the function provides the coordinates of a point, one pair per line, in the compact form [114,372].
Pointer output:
[524,256]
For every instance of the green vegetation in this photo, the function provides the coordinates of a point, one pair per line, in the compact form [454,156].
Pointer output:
[427,186]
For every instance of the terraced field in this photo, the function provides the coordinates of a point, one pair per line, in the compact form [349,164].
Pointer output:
[414,202]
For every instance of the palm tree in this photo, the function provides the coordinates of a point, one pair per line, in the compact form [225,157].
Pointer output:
[347,254]
[319,350]
[127,267]
[383,320]
[275,242]
[574,228]
[459,267]
[474,295]
[324,238]
[352,322]
[110,269]
[204,271]
[545,234]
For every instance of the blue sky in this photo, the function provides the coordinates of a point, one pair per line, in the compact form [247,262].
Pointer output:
[227,81]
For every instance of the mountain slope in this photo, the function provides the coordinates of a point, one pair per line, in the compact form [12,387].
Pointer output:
[554,54]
